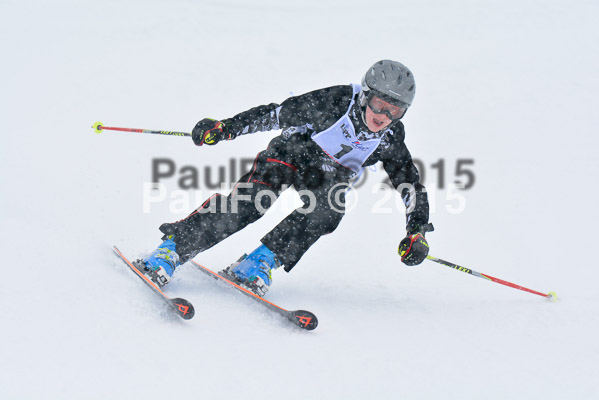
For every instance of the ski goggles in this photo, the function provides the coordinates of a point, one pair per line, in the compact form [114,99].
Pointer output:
[380,106]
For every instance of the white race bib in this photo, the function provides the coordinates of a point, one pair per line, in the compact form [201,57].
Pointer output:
[341,144]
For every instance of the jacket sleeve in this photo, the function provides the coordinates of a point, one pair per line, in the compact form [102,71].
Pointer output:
[257,119]
[317,109]
[405,178]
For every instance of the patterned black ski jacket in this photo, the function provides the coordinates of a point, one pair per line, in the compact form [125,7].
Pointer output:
[316,111]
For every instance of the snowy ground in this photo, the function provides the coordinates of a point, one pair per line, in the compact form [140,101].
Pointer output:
[512,85]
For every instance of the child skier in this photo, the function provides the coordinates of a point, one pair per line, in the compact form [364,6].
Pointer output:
[328,136]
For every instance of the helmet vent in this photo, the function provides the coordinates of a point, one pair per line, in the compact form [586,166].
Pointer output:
[391,80]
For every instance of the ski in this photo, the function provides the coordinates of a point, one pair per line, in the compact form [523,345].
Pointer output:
[301,318]
[181,307]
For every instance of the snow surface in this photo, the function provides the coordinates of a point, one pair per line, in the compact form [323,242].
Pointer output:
[510,84]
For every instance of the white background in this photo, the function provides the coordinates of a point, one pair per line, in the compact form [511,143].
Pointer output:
[510,84]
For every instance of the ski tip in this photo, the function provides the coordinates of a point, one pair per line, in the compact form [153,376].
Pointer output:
[552,296]
[183,308]
[304,319]
[117,252]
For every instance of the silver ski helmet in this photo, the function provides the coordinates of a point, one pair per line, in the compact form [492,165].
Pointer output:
[390,81]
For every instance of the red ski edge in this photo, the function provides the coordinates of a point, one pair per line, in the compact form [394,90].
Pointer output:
[301,318]
[181,307]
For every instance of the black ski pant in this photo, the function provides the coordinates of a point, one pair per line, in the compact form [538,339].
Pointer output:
[295,161]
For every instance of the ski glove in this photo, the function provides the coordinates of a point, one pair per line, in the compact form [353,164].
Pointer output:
[209,131]
[413,249]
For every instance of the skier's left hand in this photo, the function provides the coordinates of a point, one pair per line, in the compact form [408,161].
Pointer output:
[413,249]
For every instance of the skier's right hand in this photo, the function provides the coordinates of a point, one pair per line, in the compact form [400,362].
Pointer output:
[208,131]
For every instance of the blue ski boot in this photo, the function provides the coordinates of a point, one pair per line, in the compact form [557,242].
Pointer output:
[254,271]
[160,264]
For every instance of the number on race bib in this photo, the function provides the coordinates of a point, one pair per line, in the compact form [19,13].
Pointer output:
[345,149]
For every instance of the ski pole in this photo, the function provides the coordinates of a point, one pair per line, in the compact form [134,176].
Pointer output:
[550,295]
[99,127]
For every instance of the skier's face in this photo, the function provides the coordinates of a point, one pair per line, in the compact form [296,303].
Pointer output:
[380,114]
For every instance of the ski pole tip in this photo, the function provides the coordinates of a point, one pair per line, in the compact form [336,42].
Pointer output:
[552,296]
[97,127]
